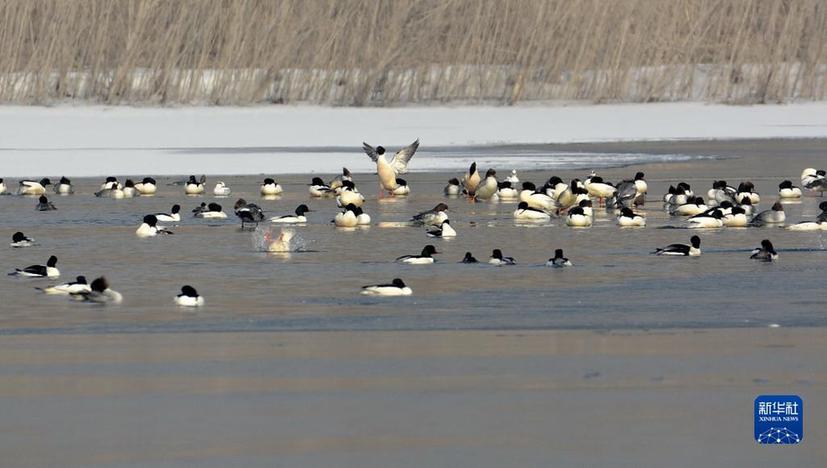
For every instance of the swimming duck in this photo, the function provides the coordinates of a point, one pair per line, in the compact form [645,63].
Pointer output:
[772,216]
[706,221]
[211,211]
[39,271]
[397,287]
[720,193]
[3,189]
[389,170]
[498,259]
[747,207]
[362,218]
[736,218]
[536,199]
[577,217]
[149,227]
[147,186]
[787,191]
[195,187]
[174,216]
[691,250]
[347,218]
[599,189]
[424,258]
[818,183]
[248,212]
[72,287]
[558,260]
[19,240]
[269,187]
[471,180]
[765,253]
[100,293]
[692,207]
[513,179]
[527,213]
[113,190]
[402,189]
[488,187]
[43,204]
[296,218]
[221,189]
[629,218]
[64,187]
[129,190]
[109,183]
[444,230]
[468,258]
[189,297]
[348,195]
[452,189]
[30,187]
[810,175]
[809,226]
[747,190]
[318,188]
[433,217]
[506,192]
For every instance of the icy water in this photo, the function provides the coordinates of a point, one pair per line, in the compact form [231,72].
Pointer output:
[615,282]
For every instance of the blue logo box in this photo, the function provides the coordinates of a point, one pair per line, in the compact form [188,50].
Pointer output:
[779,419]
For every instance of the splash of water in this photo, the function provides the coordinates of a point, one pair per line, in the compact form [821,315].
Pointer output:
[269,238]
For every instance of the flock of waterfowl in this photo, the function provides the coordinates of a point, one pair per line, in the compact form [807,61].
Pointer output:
[724,206]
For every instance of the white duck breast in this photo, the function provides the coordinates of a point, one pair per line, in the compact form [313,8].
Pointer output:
[396,288]
[129,190]
[537,200]
[189,297]
[695,207]
[194,187]
[424,258]
[318,188]
[599,189]
[578,218]
[346,218]
[109,183]
[488,187]
[471,180]
[221,189]
[737,218]
[3,189]
[174,216]
[348,195]
[453,188]
[269,187]
[74,287]
[149,228]
[498,259]
[213,211]
[712,220]
[30,187]
[64,187]
[444,231]
[362,218]
[506,192]
[388,171]
[402,189]
[148,186]
[19,240]
[526,213]
[787,191]
[39,271]
[628,218]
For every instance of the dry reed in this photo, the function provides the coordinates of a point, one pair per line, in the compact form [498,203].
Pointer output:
[392,52]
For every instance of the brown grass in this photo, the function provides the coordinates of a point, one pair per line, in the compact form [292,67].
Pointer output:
[375,52]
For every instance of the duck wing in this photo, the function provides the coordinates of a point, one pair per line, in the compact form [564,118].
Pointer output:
[403,156]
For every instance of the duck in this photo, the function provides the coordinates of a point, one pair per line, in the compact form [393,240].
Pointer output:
[705,221]
[736,218]
[195,187]
[129,190]
[513,179]
[211,211]
[189,297]
[692,207]
[174,216]
[43,204]
[147,186]
[433,217]
[424,258]
[577,217]
[599,189]
[469,258]
[535,199]
[642,188]
[19,240]
[765,253]
[347,218]
[221,189]
[498,259]
[3,189]
[109,182]
[747,190]
[280,244]
[348,195]
[337,181]
[269,188]
[149,227]
[747,207]
[397,287]
[39,271]
[558,260]
[810,175]
[818,182]
[506,192]
[786,190]
[453,188]
[30,187]
[567,197]
[691,250]
[443,231]
[389,170]
[823,215]
[64,187]
[809,226]
[488,187]
[296,218]
[527,213]
[629,218]
[99,293]
[720,192]
[113,190]
[402,188]
[362,218]
[77,286]
[471,180]
[318,188]
[554,186]
[248,212]
[775,215]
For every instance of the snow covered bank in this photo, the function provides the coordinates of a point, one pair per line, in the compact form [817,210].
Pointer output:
[99,140]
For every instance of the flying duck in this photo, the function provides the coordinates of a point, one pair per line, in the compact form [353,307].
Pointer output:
[389,170]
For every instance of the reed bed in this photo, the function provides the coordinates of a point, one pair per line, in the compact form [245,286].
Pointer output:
[396,52]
